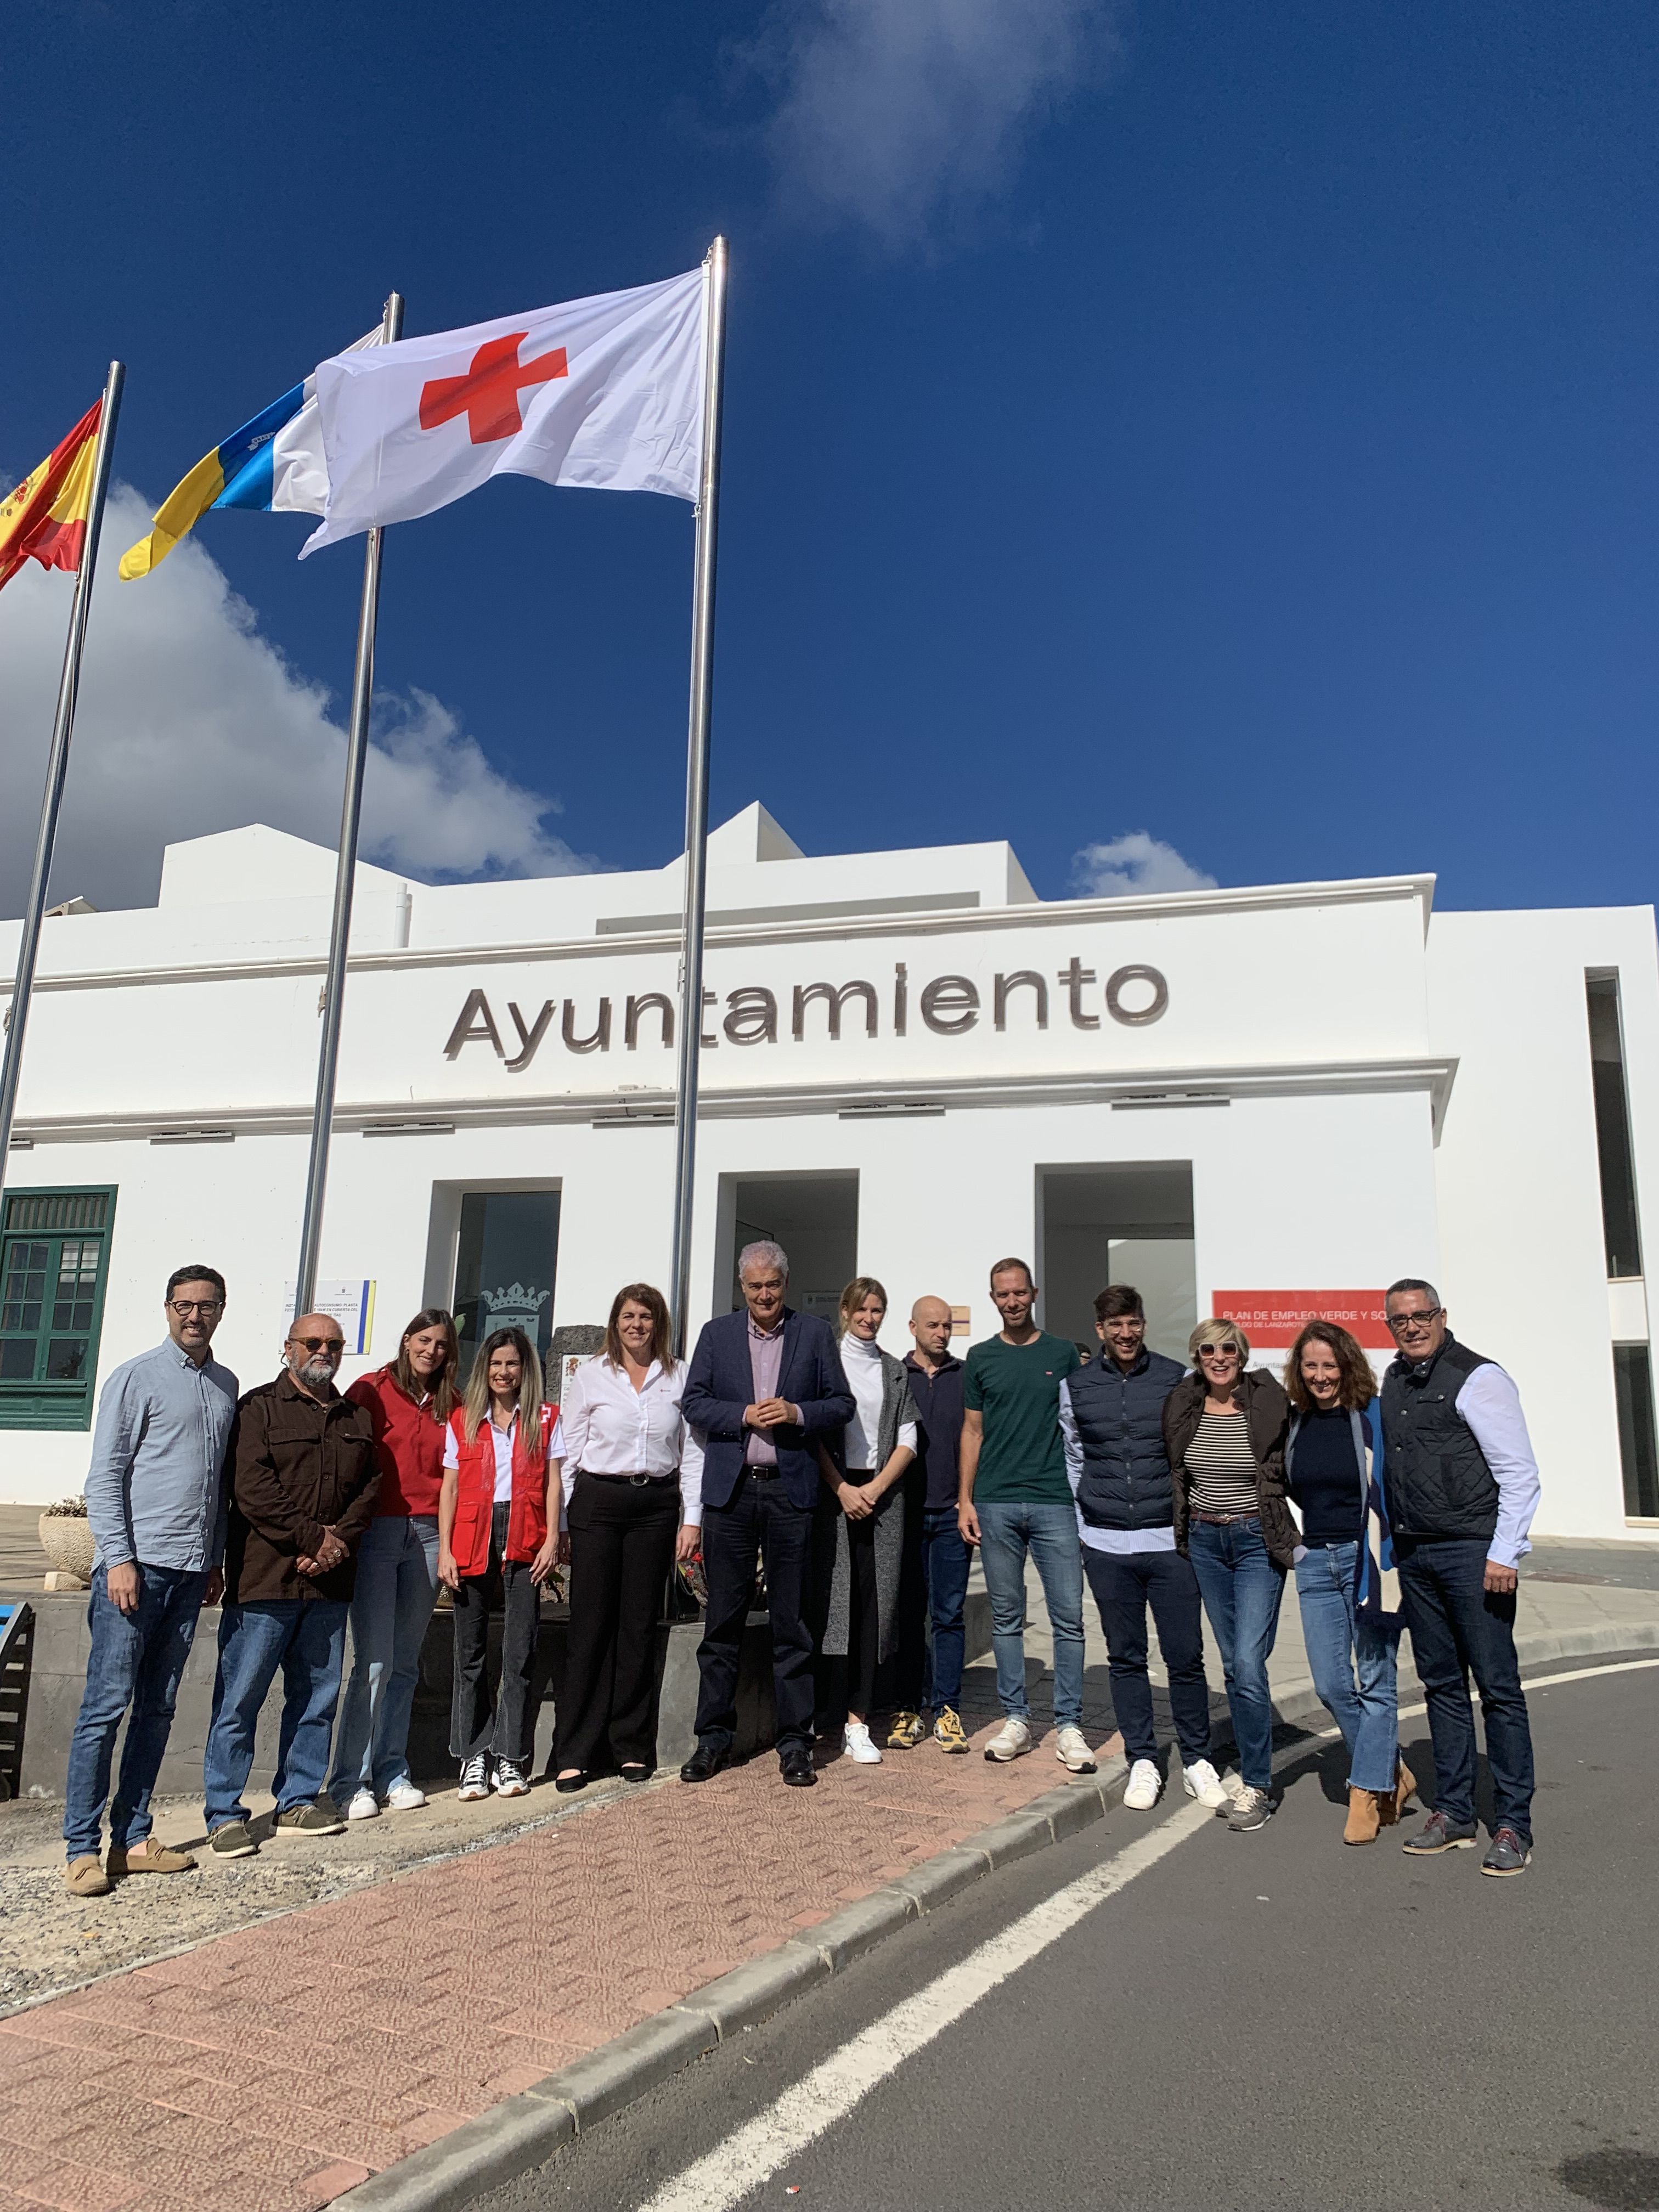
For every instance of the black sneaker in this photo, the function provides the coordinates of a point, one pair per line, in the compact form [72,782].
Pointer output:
[233,1840]
[1508,1854]
[308,1820]
[1438,1834]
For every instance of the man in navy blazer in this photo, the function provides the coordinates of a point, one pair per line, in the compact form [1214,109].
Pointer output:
[763,1386]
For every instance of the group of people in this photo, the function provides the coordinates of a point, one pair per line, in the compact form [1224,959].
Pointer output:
[860,1484]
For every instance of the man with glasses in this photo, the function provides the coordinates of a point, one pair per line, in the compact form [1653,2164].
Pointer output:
[303,1475]
[154,1501]
[1462,1488]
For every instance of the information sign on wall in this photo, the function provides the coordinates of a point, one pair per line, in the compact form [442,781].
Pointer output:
[1272,1319]
[348,1300]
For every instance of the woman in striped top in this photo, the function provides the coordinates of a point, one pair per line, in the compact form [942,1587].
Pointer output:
[1223,1429]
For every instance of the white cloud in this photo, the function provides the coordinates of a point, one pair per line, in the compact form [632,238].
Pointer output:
[892,112]
[190,721]
[1134,862]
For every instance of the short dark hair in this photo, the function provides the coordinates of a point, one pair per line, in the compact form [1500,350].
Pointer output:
[1007,1267]
[196,1275]
[1116,1300]
[1411,1283]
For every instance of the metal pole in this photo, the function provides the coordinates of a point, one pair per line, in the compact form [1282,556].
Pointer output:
[696,786]
[345,878]
[56,764]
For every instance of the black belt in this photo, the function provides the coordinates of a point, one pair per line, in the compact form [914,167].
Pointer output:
[638,1481]
[1227,1520]
[760,1474]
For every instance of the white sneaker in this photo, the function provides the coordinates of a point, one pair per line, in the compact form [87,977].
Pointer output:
[508,1780]
[1145,1786]
[474,1780]
[859,1746]
[1010,1739]
[1072,1750]
[1202,1781]
[404,1797]
[364,1805]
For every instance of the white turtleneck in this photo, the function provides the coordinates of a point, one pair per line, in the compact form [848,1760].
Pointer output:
[862,1362]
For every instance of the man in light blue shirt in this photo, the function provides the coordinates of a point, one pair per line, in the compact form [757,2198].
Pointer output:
[155,1502]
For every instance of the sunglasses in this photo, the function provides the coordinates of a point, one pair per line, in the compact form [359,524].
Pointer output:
[1219,1351]
[334,1344]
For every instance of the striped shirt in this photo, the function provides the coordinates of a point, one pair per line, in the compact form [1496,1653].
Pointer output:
[1222,1465]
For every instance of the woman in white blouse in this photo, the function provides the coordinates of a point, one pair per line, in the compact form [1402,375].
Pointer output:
[862,1536]
[633,1477]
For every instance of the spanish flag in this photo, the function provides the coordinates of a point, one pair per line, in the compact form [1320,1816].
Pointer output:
[44,518]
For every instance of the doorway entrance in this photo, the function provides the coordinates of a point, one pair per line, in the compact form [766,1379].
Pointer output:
[816,1219]
[505,1256]
[1126,1223]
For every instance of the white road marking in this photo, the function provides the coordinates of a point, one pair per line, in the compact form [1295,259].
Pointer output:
[812,2106]
[830,2091]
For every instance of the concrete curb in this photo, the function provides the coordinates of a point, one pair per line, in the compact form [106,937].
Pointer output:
[514,2137]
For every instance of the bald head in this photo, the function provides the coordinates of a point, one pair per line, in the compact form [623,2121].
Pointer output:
[312,1353]
[929,1326]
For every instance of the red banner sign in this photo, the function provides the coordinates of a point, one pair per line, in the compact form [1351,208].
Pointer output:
[1273,1318]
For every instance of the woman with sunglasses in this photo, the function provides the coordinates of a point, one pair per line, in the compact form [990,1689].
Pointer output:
[1345,1581]
[1223,1432]
[633,1503]
[498,1535]
[409,1402]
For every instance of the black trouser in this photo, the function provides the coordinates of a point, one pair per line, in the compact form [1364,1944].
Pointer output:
[759,1517]
[863,1607]
[621,1543]
[1125,1583]
[480,1720]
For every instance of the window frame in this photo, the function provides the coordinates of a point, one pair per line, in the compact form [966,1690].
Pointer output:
[39,1403]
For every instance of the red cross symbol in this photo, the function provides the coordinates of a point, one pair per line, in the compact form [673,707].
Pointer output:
[487,395]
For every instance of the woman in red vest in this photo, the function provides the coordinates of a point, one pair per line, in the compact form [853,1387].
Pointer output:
[499,1516]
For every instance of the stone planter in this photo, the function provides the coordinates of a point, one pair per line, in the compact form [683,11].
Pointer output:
[66,1540]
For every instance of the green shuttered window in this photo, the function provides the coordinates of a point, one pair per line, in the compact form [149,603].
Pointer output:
[54,1264]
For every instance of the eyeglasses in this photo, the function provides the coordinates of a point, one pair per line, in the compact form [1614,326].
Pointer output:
[206,1307]
[1400,1322]
[334,1344]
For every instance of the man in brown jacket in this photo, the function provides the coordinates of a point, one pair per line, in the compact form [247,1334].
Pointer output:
[303,1477]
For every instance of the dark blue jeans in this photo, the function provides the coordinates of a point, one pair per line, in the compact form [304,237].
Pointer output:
[1125,1583]
[1242,1589]
[1458,1628]
[306,1638]
[945,1560]
[136,1660]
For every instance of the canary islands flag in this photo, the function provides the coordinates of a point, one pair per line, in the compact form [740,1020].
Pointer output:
[273,465]
[44,518]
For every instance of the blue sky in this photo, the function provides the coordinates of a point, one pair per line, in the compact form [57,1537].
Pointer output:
[1230,427]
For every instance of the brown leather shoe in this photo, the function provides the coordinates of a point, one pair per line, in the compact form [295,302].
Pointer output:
[84,1877]
[148,1858]
[1364,1817]
[1394,1802]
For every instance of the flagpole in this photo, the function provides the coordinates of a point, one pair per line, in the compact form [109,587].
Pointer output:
[696,787]
[345,878]
[63,729]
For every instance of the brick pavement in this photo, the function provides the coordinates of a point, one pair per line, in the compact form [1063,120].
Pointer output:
[271,2070]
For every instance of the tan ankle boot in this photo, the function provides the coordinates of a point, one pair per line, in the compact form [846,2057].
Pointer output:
[1396,1801]
[1364,1817]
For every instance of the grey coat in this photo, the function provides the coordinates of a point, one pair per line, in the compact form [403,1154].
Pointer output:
[897,1406]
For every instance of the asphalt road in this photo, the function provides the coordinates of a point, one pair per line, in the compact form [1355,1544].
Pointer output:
[1264,2020]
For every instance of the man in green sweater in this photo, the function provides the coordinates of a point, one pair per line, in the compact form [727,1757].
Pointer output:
[1015,1500]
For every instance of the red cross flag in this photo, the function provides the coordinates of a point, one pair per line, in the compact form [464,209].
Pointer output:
[606,392]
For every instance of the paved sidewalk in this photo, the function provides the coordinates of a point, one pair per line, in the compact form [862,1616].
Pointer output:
[272,2069]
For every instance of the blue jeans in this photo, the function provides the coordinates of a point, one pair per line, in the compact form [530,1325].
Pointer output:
[945,1560]
[1241,1591]
[395,1590]
[1459,1628]
[1007,1533]
[1343,1645]
[306,1638]
[136,1660]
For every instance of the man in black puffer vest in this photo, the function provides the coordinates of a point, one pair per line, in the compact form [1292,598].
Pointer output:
[1111,1413]
[1463,1487]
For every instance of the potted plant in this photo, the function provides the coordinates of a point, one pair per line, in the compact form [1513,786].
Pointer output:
[66,1540]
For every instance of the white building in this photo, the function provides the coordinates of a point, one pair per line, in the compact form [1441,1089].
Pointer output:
[1242,1100]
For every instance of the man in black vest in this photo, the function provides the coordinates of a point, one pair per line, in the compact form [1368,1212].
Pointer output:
[1463,1487]
[1111,1414]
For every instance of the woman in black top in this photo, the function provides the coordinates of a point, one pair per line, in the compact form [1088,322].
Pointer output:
[1345,1578]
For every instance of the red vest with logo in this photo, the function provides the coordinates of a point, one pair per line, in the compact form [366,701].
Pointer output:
[475,1498]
